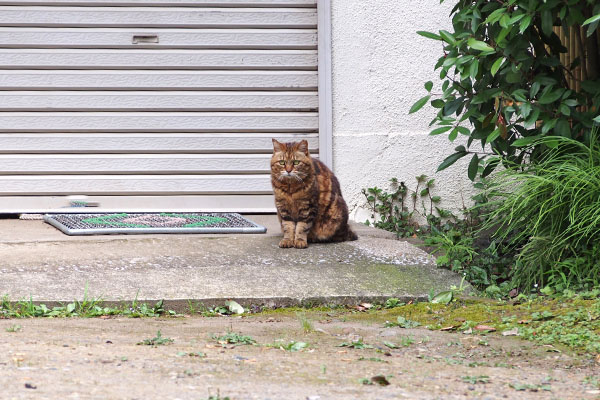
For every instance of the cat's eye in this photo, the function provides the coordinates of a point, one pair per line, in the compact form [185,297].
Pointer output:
[296,162]
[281,162]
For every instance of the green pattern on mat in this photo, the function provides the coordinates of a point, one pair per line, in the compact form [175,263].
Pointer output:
[114,220]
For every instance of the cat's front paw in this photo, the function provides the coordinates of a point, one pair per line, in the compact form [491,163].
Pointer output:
[286,243]
[300,244]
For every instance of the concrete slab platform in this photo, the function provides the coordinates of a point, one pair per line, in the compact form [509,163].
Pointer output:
[39,261]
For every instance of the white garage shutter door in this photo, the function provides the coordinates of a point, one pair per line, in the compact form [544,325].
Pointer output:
[152,104]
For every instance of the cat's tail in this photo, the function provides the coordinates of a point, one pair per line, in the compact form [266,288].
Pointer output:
[350,235]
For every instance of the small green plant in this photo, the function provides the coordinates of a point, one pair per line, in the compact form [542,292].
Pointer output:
[234,338]
[291,346]
[355,344]
[397,211]
[592,381]
[13,328]
[198,354]
[529,387]
[406,341]
[476,379]
[307,326]
[217,396]
[374,359]
[158,340]
[393,302]
[402,323]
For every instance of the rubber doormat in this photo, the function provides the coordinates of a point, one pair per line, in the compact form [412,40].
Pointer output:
[139,223]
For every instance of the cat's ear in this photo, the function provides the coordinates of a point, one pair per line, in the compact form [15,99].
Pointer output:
[278,147]
[303,147]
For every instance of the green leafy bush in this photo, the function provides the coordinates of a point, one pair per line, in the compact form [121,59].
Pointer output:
[504,84]
[550,212]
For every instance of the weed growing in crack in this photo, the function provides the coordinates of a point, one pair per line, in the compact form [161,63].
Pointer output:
[158,340]
[233,338]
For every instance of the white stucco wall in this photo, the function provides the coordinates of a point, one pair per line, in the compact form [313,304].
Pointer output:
[379,67]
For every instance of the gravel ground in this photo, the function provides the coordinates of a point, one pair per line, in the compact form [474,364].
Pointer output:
[100,359]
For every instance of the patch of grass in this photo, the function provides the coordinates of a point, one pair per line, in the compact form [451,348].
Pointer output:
[13,328]
[476,379]
[234,338]
[307,326]
[531,388]
[549,212]
[85,308]
[579,329]
[592,381]
[158,340]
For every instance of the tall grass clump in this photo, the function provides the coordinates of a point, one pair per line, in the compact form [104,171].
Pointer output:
[549,213]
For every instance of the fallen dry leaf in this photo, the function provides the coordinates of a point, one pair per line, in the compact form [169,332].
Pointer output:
[485,328]
[511,332]
[448,328]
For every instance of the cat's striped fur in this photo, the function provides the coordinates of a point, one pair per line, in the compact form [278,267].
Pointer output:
[308,198]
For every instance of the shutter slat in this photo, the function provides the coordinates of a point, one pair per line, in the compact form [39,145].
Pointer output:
[132,143]
[134,184]
[162,101]
[145,164]
[158,80]
[158,122]
[165,3]
[144,17]
[158,38]
[158,59]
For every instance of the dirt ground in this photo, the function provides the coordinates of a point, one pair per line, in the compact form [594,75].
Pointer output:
[99,359]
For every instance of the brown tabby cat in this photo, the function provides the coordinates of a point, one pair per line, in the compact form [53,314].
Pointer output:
[309,202]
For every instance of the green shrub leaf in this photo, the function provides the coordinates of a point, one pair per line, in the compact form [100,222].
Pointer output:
[479,45]
[419,104]
[496,66]
[440,130]
[451,159]
[493,136]
[429,35]
[591,19]
[473,167]
[526,141]
[447,37]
